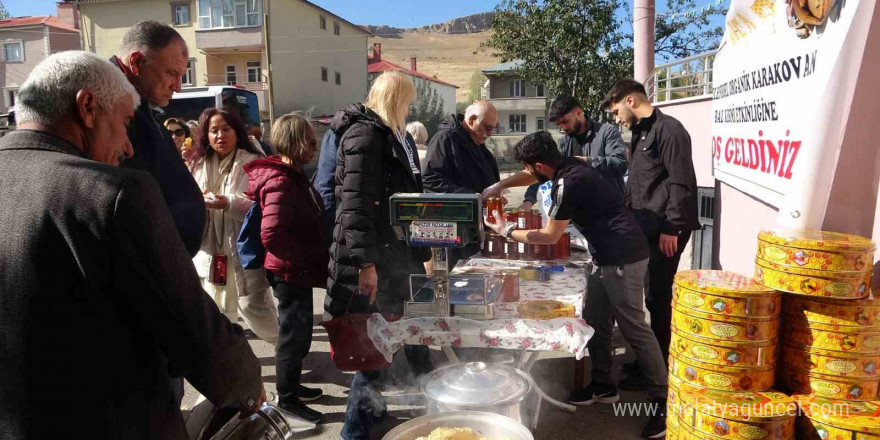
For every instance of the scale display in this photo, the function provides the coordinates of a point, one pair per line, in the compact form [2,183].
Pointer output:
[427,233]
[442,211]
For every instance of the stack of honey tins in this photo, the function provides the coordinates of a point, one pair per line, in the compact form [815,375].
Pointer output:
[827,419]
[713,415]
[724,342]
[831,331]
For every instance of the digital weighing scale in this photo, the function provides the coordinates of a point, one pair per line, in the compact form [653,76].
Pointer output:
[439,221]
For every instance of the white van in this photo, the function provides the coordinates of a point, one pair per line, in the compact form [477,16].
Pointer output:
[190,102]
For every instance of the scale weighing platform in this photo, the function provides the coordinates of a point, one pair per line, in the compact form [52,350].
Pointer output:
[439,221]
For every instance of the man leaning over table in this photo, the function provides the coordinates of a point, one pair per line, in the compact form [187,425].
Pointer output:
[581,196]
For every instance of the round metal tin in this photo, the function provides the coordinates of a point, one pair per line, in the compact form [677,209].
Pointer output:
[701,326]
[831,363]
[818,240]
[747,306]
[832,387]
[813,283]
[724,353]
[721,378]
[687,431]
[845,312]
[814,259]
[834,338]
[860,417]
[721,283]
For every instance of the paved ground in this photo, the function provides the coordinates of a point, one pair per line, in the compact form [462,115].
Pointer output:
[554,374]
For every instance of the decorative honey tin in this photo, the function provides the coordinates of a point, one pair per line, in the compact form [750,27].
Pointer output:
[701,326]
[832,387]
[768,415]
[719,377]
[673,427]
[816,249]
[767,305]
[810,282]
[859,418]
[844,312]
[831,363]
[545,309]
[832,337]
[720,352]
[721,283]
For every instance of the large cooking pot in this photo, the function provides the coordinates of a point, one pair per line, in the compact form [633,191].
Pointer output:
[269,423]
[473,386]
[489,426]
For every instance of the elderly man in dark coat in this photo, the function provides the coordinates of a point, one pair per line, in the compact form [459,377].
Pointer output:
[99,300]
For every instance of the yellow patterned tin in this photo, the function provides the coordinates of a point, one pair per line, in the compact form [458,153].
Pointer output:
[846,312]
[702,326]
[831,363]
[862,418]
[744,416]
[812,282]
[832,387]
[687,432]
[673,426]
[720,352]
[721,283]
[816,250]
[719,377]
[834,338]
[768,305]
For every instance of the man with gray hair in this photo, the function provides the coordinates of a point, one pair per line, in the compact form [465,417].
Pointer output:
[458,160]
[154,59]
[98,301]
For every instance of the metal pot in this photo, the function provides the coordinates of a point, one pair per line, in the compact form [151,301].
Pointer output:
[493,388]
[269,423]
[489,426]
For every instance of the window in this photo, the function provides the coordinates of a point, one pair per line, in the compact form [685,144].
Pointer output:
[11,96]
[324,74]
[190,75]
[517,88]
[539,124]
[517,123]
[180,15]
[254,72]
[539,90]
[323,23]
[335,28]
[338,79]
[229,13]
[13,51]
[230,75]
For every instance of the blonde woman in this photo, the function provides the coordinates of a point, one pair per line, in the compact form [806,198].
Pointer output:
[370,267]
[292,232]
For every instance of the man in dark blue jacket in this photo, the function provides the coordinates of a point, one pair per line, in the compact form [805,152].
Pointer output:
[323,180]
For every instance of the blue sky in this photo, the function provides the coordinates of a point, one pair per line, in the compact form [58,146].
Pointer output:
[397,13]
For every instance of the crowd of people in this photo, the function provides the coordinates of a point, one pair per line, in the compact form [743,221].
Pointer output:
[130,275]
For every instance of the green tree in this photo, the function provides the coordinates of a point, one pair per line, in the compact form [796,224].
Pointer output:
[3,12]
[428,108]
[581,47]
[474,85]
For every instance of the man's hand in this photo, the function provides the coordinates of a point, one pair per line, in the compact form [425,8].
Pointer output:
[668,244]
[526,205]
[368,282]
[492,191]
[499,224]
[251,411]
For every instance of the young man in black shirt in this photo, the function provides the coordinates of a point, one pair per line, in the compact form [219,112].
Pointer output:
[582,196]
[662,192]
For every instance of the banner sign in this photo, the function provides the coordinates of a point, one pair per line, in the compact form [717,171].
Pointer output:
[781,97]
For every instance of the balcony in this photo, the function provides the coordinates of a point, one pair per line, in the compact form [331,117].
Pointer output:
[685,79]
[241,38]
[520,104]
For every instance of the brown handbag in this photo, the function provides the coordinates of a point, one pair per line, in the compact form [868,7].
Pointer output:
[350,347]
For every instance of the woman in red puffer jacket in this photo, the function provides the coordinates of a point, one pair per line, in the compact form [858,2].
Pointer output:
[292,232]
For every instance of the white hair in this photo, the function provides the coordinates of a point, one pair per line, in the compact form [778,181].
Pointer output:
[50,90]
[479,109]
[418,131]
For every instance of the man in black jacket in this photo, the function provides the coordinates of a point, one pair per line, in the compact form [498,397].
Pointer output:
[459,162]
[661,191]
[154,59]
[99,299]
[598,143]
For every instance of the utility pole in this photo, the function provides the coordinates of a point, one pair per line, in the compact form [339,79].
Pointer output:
[643,39]
[267,43]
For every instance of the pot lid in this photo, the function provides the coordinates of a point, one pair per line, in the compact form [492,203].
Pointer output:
[477,384]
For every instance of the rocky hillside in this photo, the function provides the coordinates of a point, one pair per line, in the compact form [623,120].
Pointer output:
[462,25]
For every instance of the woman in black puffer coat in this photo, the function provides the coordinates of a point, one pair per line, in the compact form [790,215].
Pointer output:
[369,266]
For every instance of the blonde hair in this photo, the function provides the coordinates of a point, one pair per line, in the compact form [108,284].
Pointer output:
[289,135]
[390,97]
[418,131]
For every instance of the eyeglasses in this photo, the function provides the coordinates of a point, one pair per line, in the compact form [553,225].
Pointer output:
[179,132]
[488,128]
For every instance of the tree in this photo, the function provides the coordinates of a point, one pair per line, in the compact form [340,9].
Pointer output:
[581,47]
[428,108]
[4,14]
[475,85]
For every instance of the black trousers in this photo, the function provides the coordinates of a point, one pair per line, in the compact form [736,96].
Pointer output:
[661,272]
[294,337]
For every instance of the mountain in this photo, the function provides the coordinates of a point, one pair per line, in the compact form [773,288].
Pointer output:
[463,25]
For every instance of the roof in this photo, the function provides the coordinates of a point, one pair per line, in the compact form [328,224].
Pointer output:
[366,32]
[385,66]
[47,20]
[509,66]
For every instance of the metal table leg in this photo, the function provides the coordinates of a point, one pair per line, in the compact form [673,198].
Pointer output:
[563,406]
[450,354]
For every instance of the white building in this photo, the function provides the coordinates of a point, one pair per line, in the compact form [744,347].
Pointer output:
[522,106]
[376,66]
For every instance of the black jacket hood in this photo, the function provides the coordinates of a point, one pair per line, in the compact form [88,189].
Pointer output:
[451,122]
[355,113]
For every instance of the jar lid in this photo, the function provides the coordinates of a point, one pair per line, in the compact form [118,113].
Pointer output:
[845,414]
[819,240]
[477,384]
[722,282]
[760,406]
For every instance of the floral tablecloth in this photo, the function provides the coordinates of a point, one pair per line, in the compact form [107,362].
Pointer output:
[507,330]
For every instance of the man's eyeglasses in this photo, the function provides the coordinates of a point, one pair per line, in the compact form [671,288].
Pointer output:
[488,128]
[179,132]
